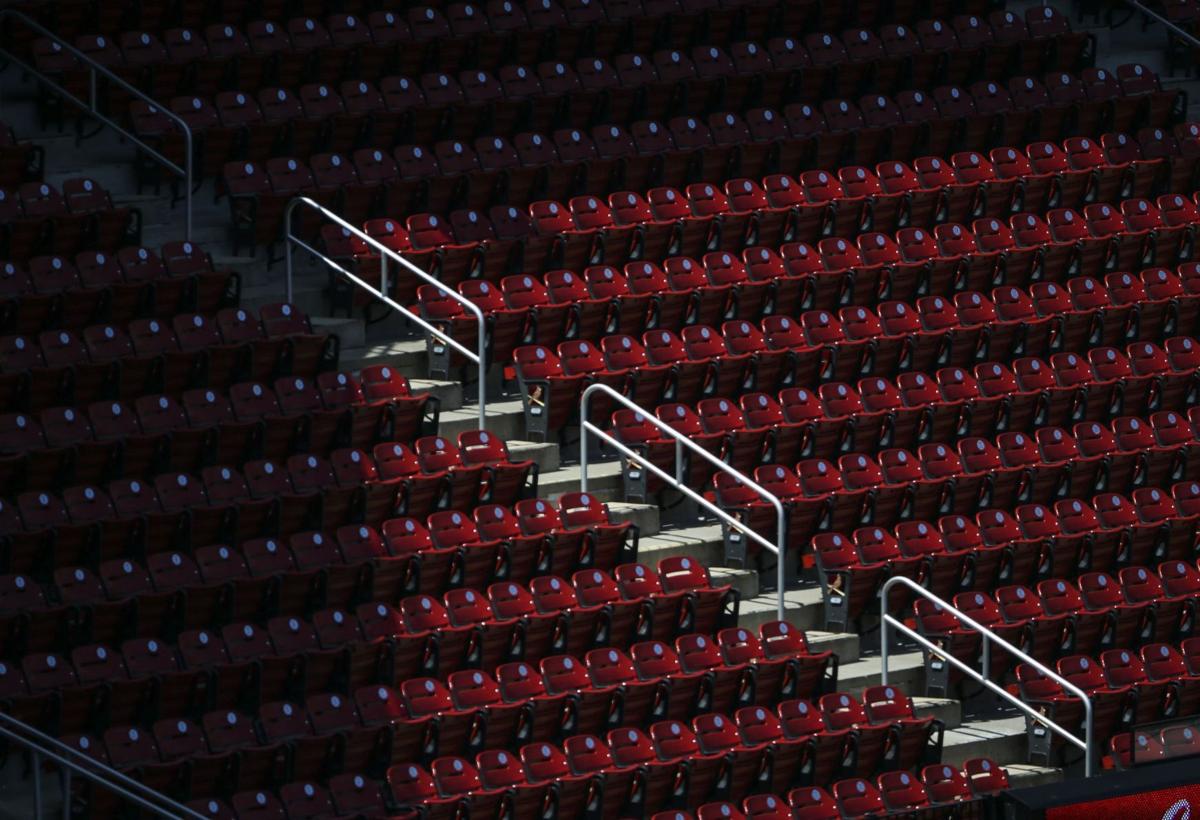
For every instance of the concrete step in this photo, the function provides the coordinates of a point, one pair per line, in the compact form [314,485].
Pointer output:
[1000,738]
[604,481]
[406,355]
[947,710]
[1022,775]
[744,581]
[803,607]
[843,644]
[309,297]
[906,670]
[450,393]
[505,418]
[646,517]
[543,454]
[349,331]
[703,543]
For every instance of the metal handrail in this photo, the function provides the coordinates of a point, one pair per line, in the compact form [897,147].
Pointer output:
[677,480]
[92,107]
[73,762]
[984,677]
[478,356]
[1182,34]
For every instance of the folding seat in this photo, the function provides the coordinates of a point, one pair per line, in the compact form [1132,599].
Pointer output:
[900,279]
[1162,285]
[595,707]
[477,559]
[977,267]
[615,242]
[1019,183]
[851,583]
[1143,95]
[1164,662]
[727,372]
[591,311]
[659,773]
[639,700]
[1055,619]
[1156,506]
[630,309]
[1122,248]
[1111,704]
[684,420]
[456,777]
[804,511]
[1050,241]
[425,567]
[790,211]
[1176,153]
[972,127]
[425,614]
[902,791]
[1010,122]
[843,711]
[850,280]
[863,427]
[1033,110]
[922,265]
[1172,615]
[1164,241]
[838,214]
[623,618]
[549,393]
[1131,622]
[748,297]
[1018,264]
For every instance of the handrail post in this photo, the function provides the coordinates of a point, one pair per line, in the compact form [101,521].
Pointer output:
[988,637]
[478,356]
[681,441]
[92,104]
[36,761]
[66,792]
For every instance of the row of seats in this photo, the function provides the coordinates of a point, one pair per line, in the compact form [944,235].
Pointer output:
[460,104]
[742,358]
[305,48]
[152,356]
[1136,607]
[716,753]
[855,206]
[475,787]
[1035,541]
[606,689]
[510,622]
[1122,692]
[110,440]
[36,217]
[574,162]
[879,450]
[818,496]
[271,500]
[682,304]
[1143,746]
[471,710]
[60,292]
[833,271]
[465,21]
[940,786]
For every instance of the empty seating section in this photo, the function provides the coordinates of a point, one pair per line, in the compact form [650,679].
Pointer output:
[925,272]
